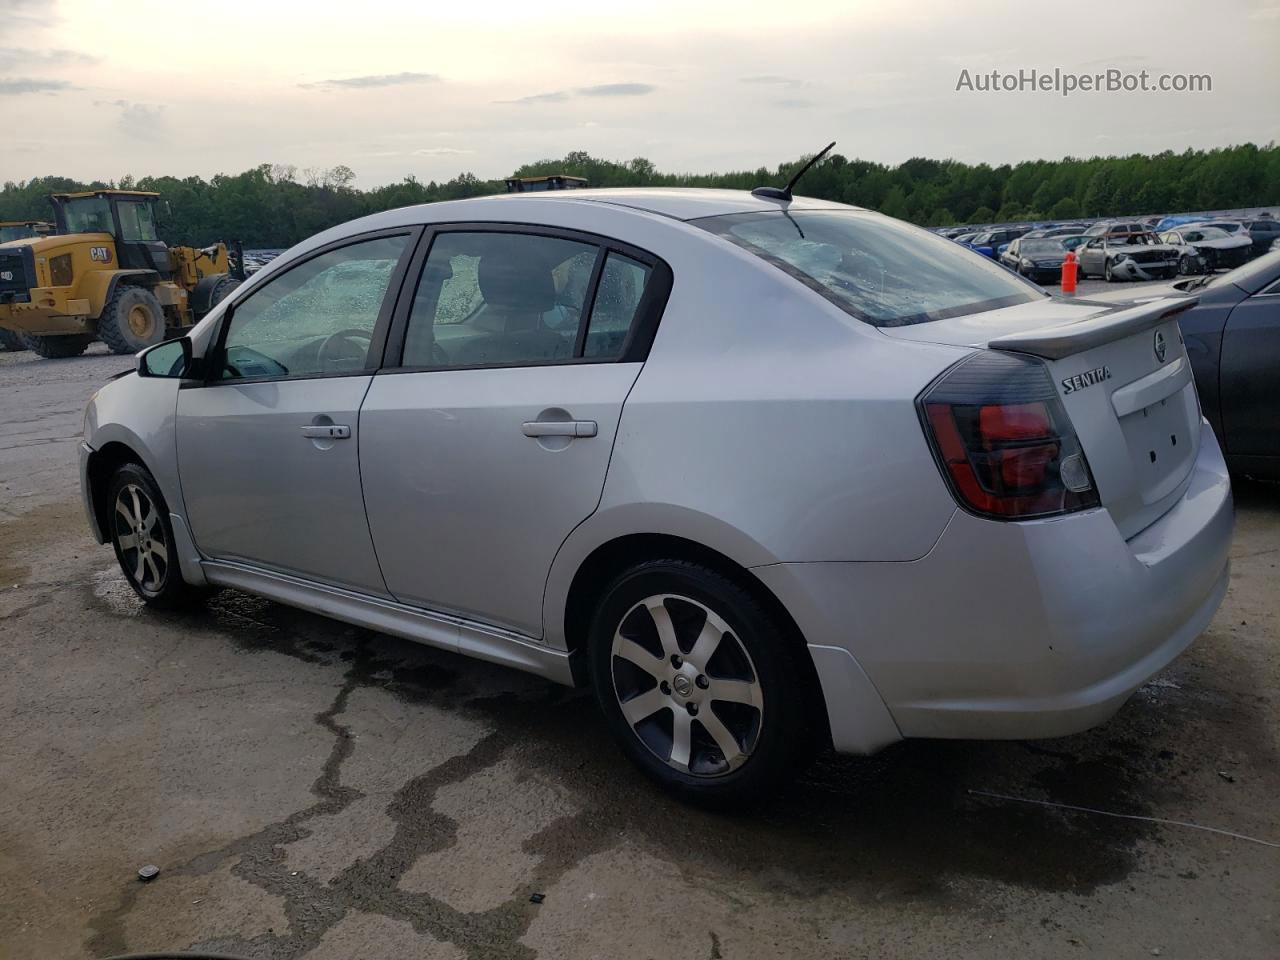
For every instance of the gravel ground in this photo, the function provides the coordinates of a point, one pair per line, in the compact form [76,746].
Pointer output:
[308,789]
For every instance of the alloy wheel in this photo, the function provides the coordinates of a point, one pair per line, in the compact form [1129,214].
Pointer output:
[687,686]
[139,534]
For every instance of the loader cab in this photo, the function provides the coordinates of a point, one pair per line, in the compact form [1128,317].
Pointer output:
[23,229]
[128,215]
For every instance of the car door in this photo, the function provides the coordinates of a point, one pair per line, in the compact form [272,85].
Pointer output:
[1091,256]
[488,441]
[1250,401]
[268,444]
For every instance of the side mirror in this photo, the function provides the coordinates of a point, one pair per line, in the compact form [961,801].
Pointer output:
[171,359]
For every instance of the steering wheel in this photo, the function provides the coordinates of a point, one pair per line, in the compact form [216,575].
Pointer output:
[328,355]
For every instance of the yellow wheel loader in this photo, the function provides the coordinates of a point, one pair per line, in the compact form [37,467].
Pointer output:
[105,274]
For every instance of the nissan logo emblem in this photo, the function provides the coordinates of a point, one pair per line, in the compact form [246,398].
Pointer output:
[1159,346]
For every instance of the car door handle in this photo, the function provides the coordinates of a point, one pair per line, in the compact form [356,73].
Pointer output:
[328,431]
[560,428]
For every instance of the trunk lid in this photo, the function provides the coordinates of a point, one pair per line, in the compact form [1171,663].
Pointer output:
[1125,380]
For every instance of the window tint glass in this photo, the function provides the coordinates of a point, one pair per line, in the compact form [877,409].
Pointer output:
[878,269]
[622,285]
[137,221]
[88,215]
[508,299]
[316,318]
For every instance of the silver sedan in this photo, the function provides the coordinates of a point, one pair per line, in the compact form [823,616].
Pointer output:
[767,474]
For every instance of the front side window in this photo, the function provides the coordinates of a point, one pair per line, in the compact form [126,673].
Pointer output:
[88,215]
[137,221]
[880,270]
[499,299]
[316,319]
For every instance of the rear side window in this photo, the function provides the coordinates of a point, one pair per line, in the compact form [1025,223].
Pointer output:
[491,298]
[880,270]
[499,299]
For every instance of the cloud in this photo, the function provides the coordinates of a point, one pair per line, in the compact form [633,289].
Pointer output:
[794,104]
[439,151]
[1263,14]
[555,96]
[17,85]
[616,90]
[599,90]
[139,121]
[374,80]
[26,13]
[15,57]
[773,80]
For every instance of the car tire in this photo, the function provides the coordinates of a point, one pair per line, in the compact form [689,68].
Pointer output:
[137,523]
[663,710]
[11,342]
[1184,265]
[1107,274]
[57,346]
[132,320]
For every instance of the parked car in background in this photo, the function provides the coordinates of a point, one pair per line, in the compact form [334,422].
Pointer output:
[1036,258]
[1233,343]
[1116,228]
[1265,232]
[1215,247]
[508,427]
[988,243]
[1189,259]
[964,237]
[1127,256]
[1067,230]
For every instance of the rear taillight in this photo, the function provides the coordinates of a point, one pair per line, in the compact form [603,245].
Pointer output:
[1003,439]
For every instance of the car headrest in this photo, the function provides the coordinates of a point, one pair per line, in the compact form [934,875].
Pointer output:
[510,281]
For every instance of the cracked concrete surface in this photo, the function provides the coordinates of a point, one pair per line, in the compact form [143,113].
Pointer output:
[310,790]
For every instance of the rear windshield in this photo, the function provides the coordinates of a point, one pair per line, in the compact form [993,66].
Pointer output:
[880,270]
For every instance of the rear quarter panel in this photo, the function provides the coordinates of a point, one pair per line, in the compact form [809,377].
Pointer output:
[770,426]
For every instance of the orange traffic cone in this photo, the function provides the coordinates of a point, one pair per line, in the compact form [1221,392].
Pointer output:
[1069,267]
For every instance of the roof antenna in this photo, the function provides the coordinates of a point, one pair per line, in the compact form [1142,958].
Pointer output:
[774,193]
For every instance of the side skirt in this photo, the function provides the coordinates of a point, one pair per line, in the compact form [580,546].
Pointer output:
[434,629]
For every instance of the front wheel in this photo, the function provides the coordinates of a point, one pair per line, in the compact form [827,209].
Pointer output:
[1184,265]
[132,320]
[699,684]
[142,536]
[11,342]
[1107,274]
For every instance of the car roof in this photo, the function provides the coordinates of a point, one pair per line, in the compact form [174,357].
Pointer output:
[680,203]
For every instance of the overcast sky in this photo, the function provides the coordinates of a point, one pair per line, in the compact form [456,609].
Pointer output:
[96,90]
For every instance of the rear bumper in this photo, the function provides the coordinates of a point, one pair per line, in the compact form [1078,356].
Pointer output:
[1023,630]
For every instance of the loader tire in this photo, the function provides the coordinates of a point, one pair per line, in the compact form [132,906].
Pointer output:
[222,288]
[57,346]
[132,320]
[11,341]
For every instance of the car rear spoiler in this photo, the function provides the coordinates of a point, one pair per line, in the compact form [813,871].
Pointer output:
[1054,343]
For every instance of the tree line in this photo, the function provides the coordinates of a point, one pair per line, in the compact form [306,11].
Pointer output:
[275,205]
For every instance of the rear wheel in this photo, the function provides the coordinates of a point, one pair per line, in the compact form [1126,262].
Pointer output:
[11,341]
[140,531]
[1184,265]
[57,346]
[699,684]
[1106,272]
[132,320]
